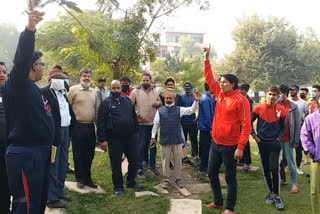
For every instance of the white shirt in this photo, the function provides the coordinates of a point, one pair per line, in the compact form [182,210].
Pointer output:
[183,111]
[64,108]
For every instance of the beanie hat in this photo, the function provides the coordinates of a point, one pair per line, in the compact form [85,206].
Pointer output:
[188,82]
[57,71]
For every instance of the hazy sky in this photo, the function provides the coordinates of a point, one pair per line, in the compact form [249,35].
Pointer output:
[217,23]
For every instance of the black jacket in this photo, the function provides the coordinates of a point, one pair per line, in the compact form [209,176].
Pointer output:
[28,114]
[52,99]
[116,119]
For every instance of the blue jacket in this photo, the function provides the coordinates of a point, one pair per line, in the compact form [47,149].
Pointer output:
[206,112]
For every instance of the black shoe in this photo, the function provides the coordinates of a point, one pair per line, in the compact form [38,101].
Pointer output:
[80,185]
[57,204]
[154,170]
[187,162]
[92,185]
[119,191]
[136,186]
[66,198]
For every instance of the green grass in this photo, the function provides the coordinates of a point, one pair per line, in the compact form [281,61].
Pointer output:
[251,194]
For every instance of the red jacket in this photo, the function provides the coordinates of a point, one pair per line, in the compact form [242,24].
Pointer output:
[127,94]
[232,120]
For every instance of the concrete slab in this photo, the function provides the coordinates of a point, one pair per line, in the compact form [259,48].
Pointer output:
[73,187]
[251,169]
[198,188]
[160,189]
[145,193]
[54,211]
[124,166]
[185,206]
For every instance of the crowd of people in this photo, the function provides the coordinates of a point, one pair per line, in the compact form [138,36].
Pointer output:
[38,124]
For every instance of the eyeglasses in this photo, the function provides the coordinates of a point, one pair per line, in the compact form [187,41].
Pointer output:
[39,63]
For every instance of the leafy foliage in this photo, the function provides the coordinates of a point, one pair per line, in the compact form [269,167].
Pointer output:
[270,51]
[8,42]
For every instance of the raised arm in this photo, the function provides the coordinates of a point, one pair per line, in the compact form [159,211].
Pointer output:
[23,56]
[192,109]
[212,83]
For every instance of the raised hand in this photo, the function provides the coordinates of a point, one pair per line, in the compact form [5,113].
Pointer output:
[34,17]
[206,52]
[196,95]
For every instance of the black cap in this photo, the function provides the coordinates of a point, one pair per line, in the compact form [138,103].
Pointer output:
[294,87]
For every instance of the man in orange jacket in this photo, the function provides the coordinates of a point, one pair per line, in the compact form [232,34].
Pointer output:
[230,133]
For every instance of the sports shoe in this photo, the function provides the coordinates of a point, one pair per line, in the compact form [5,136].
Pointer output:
[136,186]
[92,185]
[140,174]
[270,199]
[278,202]
[186,161]
[299,171]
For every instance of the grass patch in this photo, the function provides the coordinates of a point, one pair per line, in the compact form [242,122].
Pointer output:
[251,193]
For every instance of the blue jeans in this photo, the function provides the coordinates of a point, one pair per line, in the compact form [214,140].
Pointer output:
[145,137]
[28,176]
[287,150]
[58,170]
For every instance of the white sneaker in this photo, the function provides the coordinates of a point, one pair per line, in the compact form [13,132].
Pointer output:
[299,171]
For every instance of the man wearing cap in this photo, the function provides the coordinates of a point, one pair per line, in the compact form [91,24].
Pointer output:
[62,113]
[83,100]
[30,126]
[232,114]
[189,122]
[304,111]
[291,136]
[4,186]
[102,92]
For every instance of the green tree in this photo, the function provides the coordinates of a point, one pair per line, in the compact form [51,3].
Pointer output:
[8,42]
[270,51]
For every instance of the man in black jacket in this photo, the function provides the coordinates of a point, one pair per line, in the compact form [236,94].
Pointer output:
[30,126]
[4,187]
[63,117]
[118,133]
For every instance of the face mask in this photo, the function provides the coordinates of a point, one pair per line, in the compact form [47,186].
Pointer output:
[57,84]
[314,94]
[280,99]
[125,88]
[303,96]
[85,84]
[67,81]
[115,94]
[145,85]
[188,90]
